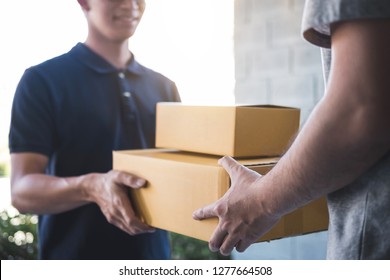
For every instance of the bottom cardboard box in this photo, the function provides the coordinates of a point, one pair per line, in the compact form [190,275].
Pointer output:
[181,182]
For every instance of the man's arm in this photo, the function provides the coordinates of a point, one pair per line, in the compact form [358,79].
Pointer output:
[34,192]
[345,135]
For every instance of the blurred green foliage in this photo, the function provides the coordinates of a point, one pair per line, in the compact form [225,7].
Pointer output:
[18,240]
[4,169]
[18,236]
[187,248]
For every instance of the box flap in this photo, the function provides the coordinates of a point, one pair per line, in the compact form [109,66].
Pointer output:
[194,158]
[225,105]
[269,106]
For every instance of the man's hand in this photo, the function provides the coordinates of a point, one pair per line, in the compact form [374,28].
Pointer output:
[110,192]
[241,212]
[35,192]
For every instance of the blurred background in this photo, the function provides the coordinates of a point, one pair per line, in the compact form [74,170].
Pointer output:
[217,52]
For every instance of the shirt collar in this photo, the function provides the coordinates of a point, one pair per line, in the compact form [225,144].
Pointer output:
[99,64]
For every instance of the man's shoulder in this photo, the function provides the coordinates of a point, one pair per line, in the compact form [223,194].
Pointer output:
[53,70]
[57,62]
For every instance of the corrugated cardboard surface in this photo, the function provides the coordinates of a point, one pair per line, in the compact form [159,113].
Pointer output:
[239,131]
[180,182]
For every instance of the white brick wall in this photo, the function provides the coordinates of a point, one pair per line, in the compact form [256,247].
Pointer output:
[274,64]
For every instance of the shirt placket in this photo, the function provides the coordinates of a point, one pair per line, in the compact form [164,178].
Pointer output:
[131,119]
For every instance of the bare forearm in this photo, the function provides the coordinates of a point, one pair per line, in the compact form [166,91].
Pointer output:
[337,145]
[43,194]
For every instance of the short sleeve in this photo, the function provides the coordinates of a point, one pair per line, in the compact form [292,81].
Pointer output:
[319,15]
[32,126]
[175,93]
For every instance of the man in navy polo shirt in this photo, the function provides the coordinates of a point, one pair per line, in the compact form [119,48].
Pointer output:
[69,114]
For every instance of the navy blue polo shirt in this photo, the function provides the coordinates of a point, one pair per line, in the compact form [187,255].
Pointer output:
[76,109]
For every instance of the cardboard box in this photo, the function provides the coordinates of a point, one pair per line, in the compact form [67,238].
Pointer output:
[181,182]
[238,131]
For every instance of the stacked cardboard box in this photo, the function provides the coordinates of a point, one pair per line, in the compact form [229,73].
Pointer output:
[238,131]
[183,172]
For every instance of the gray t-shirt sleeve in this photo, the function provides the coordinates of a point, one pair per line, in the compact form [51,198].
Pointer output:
[320,14]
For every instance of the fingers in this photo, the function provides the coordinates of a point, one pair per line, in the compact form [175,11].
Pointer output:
[225,243]
[242,245]
[220,240]
[217,239]
[124,218]
[127,179]
[228,245]
[132,223]
[116,205]
[132,227]
[219,235]
[205,212]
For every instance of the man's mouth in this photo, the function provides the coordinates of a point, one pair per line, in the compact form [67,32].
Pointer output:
[126,18]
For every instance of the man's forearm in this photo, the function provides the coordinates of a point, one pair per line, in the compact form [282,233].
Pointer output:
[336,146]
[43,194]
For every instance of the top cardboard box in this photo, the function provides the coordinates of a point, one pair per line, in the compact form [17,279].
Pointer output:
[238,131]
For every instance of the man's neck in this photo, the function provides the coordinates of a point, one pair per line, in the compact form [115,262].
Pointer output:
[117,54]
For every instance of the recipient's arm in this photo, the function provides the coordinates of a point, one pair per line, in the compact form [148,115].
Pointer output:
[346,134]
[349,130]
[32,191]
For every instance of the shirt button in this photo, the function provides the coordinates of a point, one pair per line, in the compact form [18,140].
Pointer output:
[121,75]
[127,94]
